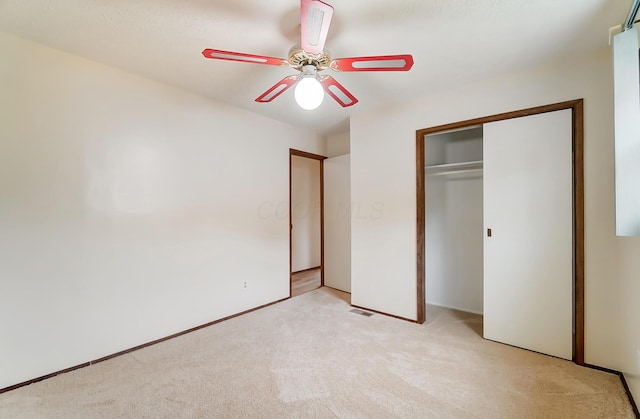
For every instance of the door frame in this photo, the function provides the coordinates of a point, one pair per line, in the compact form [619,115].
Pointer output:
[577,108]
[321,159]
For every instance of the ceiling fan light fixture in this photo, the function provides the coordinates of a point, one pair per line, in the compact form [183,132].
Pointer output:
[310,57]
[309,93]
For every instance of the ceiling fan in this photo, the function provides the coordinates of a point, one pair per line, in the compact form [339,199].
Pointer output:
[310,59]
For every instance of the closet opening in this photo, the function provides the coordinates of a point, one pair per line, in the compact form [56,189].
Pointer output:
[454,220]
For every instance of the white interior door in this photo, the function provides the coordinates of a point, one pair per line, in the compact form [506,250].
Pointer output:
[528,259]
[337,223]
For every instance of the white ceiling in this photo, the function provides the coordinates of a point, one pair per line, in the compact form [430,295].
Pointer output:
[452,41]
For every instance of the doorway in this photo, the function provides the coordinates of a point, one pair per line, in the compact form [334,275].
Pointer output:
[575,109]
[306,222]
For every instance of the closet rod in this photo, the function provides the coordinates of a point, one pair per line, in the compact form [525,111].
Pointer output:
[451,168]
[633,11]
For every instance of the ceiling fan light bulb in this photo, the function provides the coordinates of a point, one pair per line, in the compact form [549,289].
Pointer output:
[309,93]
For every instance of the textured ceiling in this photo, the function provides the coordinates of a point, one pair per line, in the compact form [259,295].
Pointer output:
[452,41]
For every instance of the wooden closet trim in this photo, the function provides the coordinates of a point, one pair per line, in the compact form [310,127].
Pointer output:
[577,108]
[321,159]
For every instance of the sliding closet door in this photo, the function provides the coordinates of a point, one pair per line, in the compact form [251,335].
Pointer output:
[528,253]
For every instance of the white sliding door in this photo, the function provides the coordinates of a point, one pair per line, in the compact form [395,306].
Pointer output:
[337,223]
[528,259]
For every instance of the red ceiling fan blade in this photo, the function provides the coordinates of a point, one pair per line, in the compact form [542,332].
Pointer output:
[277,89]
[315,18]
[378,63]
[243,58]
[338,91]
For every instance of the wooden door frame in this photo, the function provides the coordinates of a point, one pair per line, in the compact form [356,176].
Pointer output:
[321,159]
[577,108]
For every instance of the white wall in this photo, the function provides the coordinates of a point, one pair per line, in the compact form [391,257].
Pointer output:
[454,223]
[305,213]
[383,173]
[337,223]
[129,210]
[338,144]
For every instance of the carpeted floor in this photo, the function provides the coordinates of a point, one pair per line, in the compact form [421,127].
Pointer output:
[310,357]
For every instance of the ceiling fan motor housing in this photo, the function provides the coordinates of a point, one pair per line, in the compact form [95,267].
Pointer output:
[299,58]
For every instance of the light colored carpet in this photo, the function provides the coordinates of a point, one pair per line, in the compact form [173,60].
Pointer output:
[309,357]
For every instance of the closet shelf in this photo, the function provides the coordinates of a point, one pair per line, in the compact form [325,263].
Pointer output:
[451,168]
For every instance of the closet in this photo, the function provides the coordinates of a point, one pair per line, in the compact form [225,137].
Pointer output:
[454,222]
[501,228]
